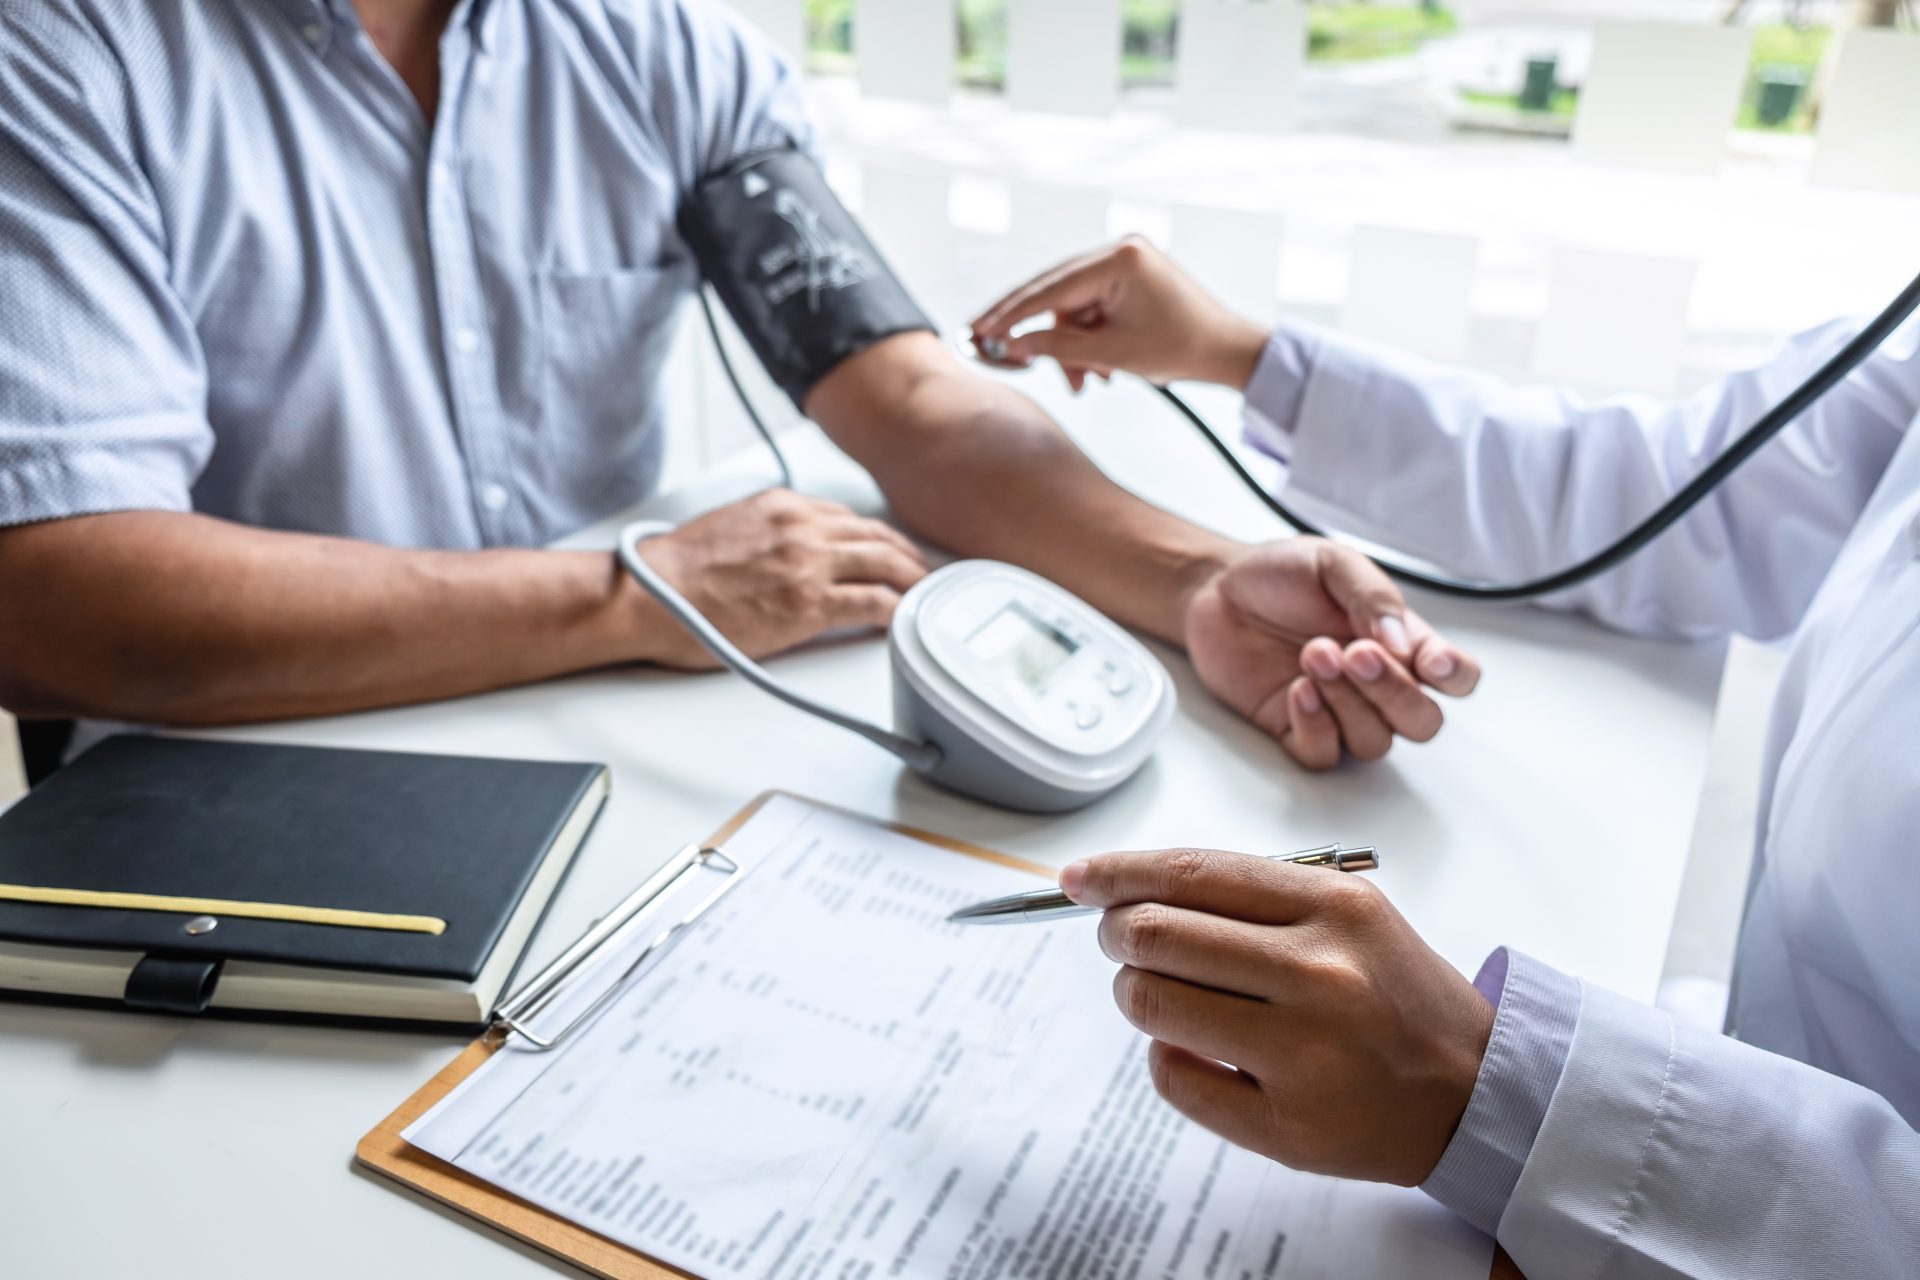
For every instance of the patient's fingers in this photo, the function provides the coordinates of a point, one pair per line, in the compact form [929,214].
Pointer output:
[1311,738]
[860,604]
[876,562]
[1446,668]
[1450,670]
[854,528]
[1362,729]
[1392,691]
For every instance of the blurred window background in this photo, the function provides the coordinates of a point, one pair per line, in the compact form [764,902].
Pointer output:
[1505,56]
[1619,195]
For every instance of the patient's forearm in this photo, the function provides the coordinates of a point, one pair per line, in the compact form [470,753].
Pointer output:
[181,619]
[978,468]
[1008,485]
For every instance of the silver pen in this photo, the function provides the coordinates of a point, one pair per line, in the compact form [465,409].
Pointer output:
[1051,904]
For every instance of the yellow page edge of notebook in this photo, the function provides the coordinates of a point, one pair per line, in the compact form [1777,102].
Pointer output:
[385,1152]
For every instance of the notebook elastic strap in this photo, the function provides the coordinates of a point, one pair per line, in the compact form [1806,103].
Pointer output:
[172,984]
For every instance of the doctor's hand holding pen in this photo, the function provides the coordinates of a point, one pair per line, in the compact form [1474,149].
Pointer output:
[1293,1012]
[1366,666]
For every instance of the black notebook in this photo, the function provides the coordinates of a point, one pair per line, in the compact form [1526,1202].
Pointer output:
[402,841]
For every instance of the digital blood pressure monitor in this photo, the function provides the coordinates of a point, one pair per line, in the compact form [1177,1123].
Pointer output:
[1005,687]
[1034,698]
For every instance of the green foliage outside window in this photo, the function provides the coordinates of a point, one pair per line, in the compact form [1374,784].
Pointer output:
[1788,56]
[1363,32]
[1785,55]
[1778,97]
[1344,32]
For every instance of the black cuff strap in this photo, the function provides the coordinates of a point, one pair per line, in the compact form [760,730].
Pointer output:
[796,272]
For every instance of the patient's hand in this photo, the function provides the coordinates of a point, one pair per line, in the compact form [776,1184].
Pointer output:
[1313,643]
[775,571]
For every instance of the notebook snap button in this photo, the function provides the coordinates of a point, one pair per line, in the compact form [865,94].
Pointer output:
[201,924]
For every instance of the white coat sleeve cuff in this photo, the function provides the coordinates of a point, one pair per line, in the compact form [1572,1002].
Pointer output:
[1271,402]
[1536,1010]
[1592,1152]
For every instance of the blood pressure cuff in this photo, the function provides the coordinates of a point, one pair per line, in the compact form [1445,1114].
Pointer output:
[803,282]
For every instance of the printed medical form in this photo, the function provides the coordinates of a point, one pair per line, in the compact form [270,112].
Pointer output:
[823,1078]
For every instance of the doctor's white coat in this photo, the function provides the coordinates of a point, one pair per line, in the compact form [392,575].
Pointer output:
[1791,1150]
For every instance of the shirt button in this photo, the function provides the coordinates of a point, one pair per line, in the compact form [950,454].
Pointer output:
[313,33]
[494,497]
[466,341]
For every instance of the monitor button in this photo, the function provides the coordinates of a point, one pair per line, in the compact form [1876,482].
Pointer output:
[1086,717]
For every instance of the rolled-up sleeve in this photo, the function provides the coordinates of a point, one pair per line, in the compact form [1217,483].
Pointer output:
[102,385]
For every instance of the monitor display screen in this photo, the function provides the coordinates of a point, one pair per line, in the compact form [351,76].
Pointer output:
[1017,643]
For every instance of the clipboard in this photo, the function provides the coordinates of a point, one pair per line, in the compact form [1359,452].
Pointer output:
[385,1152]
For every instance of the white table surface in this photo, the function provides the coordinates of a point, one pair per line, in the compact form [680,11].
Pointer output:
[1552,814]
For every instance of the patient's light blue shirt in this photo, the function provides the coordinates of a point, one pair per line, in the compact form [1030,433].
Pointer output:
[241,274]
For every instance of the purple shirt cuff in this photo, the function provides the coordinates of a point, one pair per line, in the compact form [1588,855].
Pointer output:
[1274,392]
[1536,1008]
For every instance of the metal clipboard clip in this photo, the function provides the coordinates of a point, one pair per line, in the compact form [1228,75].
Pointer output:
[513,1016]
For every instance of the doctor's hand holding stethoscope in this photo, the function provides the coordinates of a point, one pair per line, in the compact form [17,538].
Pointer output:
[1296,1013]
[1122,309]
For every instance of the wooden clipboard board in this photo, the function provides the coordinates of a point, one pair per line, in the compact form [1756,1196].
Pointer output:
[386,1152]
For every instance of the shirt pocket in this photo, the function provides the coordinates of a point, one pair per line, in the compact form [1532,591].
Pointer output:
[604,337]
